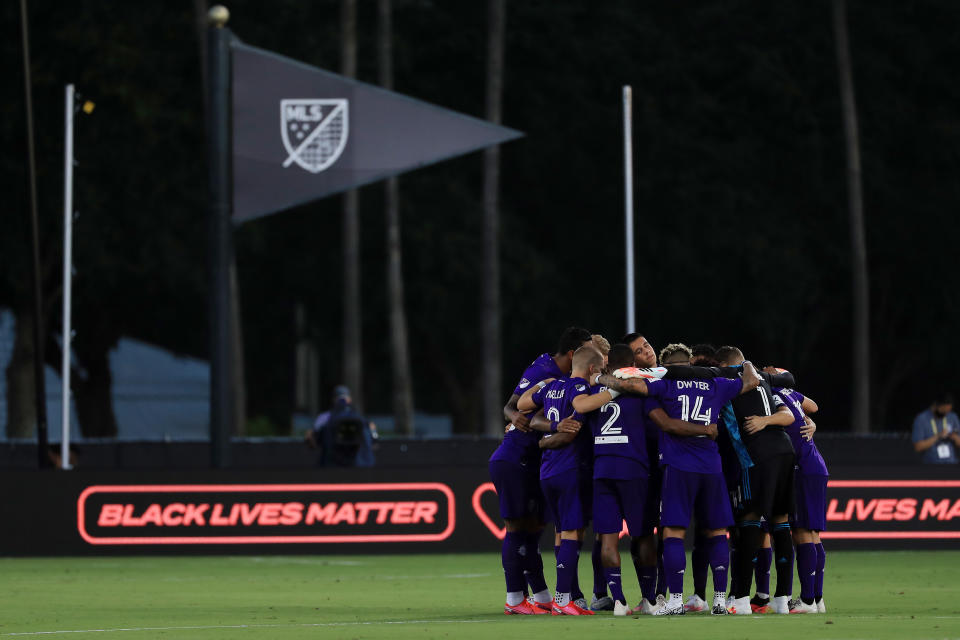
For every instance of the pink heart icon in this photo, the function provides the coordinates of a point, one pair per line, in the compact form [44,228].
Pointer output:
[498,532]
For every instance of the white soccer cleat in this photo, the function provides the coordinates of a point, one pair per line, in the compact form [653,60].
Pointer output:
[694,604]
[719,604]
[672,607]
[645,608]
[653,373]
[781,604]
[740,606]
[821,608]
[802,607]
[620,608]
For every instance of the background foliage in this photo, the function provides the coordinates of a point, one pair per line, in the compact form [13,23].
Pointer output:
[742,228]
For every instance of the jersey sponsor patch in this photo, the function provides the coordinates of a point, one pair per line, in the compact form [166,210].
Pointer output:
[524,383]
[611,440]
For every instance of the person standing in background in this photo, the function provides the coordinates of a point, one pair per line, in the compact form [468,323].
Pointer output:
[936,432]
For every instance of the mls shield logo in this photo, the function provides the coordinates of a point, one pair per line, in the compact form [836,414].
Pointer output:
[314,132]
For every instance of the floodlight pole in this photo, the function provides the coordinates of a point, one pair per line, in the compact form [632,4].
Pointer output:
[67,278]
[221,234]
[628,203]
[39,387]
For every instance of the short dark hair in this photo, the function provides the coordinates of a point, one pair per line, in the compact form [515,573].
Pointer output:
[944,398]
[726,352]
[703,349]
[572,339]
[704,355]
[621,355]
[630,337]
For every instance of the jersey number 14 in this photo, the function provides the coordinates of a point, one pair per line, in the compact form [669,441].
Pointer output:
[698,415]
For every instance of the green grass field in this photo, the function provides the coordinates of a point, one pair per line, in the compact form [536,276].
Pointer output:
[868,594]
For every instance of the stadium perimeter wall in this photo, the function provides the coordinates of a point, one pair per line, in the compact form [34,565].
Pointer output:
[838,448]
[381,510]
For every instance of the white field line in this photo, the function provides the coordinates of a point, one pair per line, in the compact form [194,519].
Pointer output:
[244,626]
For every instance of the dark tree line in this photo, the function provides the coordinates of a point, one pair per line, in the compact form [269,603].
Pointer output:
[742,231]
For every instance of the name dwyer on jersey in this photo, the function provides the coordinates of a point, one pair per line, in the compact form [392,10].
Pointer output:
[693,384]
[266,514]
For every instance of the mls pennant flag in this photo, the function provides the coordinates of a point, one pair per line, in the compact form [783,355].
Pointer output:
[302,133]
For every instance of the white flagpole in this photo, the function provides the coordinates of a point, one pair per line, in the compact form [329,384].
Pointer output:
[67,278]
[628,201]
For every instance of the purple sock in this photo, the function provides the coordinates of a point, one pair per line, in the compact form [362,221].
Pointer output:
[719,562]
[674,564]
[612,576]
[762,570]
[821,563]
[648,583]
[599,574]
[575,592]
[566,565]
[511,558]
[533,563]
[806,569]
[700,560]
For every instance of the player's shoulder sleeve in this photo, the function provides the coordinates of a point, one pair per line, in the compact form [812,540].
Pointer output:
[529,377]
[539,395]
[656,388]
[651,403]
[729,388]
[533,374]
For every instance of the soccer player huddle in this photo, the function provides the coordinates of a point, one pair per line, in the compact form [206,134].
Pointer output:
[601,433]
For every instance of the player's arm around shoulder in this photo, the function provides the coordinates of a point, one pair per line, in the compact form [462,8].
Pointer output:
[556,440]
[781,417]
[676,427]
[750,378]
[526,401]
[635,386]
[540,422]
[585,403]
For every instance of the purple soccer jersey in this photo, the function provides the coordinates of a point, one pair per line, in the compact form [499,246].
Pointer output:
[557,401]
[619,429]
[519,446]
[809,460]
[698,401]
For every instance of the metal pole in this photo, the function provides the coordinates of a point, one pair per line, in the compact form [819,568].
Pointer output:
[628,202]
[40,395]
[221,235]
[67,278]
